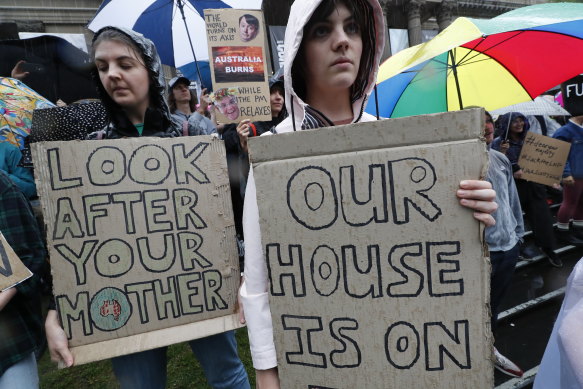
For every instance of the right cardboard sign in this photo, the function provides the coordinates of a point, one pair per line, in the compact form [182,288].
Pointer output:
[378,277]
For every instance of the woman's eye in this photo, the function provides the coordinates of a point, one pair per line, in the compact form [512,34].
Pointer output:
[352,28]
[320,31]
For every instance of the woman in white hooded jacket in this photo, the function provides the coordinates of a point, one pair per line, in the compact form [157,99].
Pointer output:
[332,54]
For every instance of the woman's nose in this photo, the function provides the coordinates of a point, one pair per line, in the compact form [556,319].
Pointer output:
[340,39]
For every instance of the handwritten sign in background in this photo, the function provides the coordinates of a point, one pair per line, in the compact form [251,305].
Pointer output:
[377,275]
[542,159]
[140,235]
[238,64]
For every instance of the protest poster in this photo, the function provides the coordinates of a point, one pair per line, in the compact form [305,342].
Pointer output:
[237,58]
[141,238]
[572,91]
[12,270]
[378,277]
[542,159]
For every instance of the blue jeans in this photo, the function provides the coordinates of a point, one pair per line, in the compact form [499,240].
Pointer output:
[503,264]
[217,354]
[23,375]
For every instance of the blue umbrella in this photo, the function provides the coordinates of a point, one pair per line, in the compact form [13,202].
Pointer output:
[176,27]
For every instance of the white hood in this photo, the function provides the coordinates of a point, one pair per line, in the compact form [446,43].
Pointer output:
[301,12]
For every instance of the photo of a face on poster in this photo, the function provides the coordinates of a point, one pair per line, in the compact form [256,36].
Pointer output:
[225,100]
[248,27]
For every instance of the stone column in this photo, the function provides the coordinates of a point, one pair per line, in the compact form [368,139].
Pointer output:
[413,9]
[445,14]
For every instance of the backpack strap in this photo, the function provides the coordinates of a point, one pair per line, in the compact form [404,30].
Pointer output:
[185,128]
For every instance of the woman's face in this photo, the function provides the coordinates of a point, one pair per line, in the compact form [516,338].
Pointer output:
[517,126]
[276,99]
[123,76]
[332,51]
[228,107]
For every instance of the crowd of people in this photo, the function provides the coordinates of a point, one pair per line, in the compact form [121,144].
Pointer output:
[332,58]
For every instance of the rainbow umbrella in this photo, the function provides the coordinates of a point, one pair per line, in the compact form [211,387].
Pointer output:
[492,63]
[17,101]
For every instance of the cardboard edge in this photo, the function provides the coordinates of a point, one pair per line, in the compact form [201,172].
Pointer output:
[154,339]
[386,132]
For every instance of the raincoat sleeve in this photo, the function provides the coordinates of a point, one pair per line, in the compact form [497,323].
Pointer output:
[254,289]
[21,176]
[200,125]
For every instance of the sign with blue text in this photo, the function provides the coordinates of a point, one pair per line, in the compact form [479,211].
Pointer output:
[141,239]
[378,277]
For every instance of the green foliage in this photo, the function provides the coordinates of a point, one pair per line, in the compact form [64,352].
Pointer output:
[184,371]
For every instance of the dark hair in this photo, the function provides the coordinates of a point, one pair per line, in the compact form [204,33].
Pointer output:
[250,19]
[116,35]
[362,13]
[172,100]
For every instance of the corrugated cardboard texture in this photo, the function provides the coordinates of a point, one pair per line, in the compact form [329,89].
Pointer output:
[378,275]
[140,232]
[12,270]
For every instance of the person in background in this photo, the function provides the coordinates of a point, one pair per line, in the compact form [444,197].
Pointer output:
[184,107]
[503,238]
[572,205]
[513,128]
[246,128]
[333,49]
[131,86]
[20,305]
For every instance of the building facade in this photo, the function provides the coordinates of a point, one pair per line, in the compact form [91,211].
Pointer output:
[413,16]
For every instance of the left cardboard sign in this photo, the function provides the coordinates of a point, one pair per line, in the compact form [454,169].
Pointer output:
[142,243]
[12,270]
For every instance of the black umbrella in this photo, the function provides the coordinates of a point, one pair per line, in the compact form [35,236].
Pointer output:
[59,69]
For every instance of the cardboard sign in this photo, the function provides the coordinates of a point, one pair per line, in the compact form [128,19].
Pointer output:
[572,91]
[12,270]
[237,57]
[141,239]
[378,277]
[542,159]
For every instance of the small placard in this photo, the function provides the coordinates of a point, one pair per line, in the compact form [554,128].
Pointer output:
[542,159]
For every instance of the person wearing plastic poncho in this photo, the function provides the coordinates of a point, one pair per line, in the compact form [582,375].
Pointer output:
[562,364]
[332,54]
